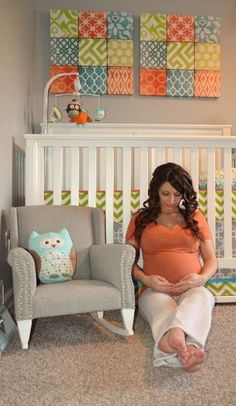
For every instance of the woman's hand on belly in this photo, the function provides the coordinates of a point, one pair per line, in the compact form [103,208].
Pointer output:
[188,282]
[157,283]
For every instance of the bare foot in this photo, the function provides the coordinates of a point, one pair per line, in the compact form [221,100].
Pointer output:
[192,358]
[174,341]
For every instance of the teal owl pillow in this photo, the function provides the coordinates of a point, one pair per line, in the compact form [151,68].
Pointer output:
[54,255]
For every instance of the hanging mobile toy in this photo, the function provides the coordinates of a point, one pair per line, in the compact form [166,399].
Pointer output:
[76,114]
[100,112]
[55,113]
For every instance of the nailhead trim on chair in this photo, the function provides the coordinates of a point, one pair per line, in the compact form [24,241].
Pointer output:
[23,307]
[127,260]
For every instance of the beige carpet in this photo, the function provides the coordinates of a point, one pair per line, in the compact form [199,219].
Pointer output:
[74,362]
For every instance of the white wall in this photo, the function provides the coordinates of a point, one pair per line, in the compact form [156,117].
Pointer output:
[16,90]
[147,109]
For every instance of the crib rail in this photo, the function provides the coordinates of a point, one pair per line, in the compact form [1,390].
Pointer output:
[123,157]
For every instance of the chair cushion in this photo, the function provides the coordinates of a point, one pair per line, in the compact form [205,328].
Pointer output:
[54,254]
[75,296]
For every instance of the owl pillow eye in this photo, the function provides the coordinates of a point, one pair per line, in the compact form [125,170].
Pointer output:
[71,106]
[58,241]
[54,255]
[46,242]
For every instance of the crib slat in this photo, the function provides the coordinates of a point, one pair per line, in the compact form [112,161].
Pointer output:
[74,176]
[66,168]
[227,203]
[178,156]
[109,194]
[194,168]
[48,168]
[158,157]
[41,175]
[126,176]
[57,174]
[34,167]
[170,154]
[143,175]
[211,189]
[92,176]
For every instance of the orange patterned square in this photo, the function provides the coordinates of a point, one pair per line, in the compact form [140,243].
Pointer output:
[64,84]
[92,24]
[153,82]
[120,80]
[207,83]
[180,28]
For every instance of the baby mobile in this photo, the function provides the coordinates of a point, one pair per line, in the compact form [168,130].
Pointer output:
[75,109]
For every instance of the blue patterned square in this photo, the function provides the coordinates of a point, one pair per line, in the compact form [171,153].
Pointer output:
[180,83]
[153,54]
[120,25]
[208,29]
[64,51]
[93,79]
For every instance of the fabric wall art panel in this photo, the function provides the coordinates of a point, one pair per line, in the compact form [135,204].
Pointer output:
[95,43]
[179,55]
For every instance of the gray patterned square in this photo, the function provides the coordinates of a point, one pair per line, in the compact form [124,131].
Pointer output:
[64,51]
[207,29]
[180,83]
[119,25]
[153,54]
[93,79]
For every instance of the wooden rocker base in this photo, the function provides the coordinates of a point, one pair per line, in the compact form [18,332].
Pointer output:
[127,317]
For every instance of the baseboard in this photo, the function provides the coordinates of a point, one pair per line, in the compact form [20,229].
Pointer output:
[225,299]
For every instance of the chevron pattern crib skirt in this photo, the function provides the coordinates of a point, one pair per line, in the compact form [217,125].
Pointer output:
[222,286]
[135,202]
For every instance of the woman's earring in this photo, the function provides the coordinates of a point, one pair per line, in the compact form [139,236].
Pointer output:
[182,204]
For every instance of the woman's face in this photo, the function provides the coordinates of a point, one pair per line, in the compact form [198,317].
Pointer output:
[169,198]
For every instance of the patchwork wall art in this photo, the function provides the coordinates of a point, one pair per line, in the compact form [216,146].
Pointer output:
[179,55]
[96,44]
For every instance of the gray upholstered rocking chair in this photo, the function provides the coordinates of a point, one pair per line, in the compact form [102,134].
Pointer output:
[102,280]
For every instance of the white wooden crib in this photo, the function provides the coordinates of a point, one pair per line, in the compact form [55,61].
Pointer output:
[110,166]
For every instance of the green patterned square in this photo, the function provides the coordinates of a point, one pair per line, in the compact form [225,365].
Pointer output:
[207,57]
[180,55]
[120,52]
[153,27]
[92,52]
[64,23]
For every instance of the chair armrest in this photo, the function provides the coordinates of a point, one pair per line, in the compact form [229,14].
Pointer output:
[24,282]
[112,263]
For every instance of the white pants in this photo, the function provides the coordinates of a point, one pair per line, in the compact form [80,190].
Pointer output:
[191,311]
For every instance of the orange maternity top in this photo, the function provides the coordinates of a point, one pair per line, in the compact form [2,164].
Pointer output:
[170,252]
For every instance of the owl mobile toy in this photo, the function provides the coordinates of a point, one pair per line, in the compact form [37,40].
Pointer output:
[76,113]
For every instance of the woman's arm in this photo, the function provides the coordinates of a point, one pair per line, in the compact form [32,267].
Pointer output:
[137,271]
[209,260]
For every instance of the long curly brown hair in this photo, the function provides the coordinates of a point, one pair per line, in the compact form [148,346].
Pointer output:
[180,180]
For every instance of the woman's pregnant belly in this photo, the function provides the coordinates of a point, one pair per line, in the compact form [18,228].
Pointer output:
[172,265]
